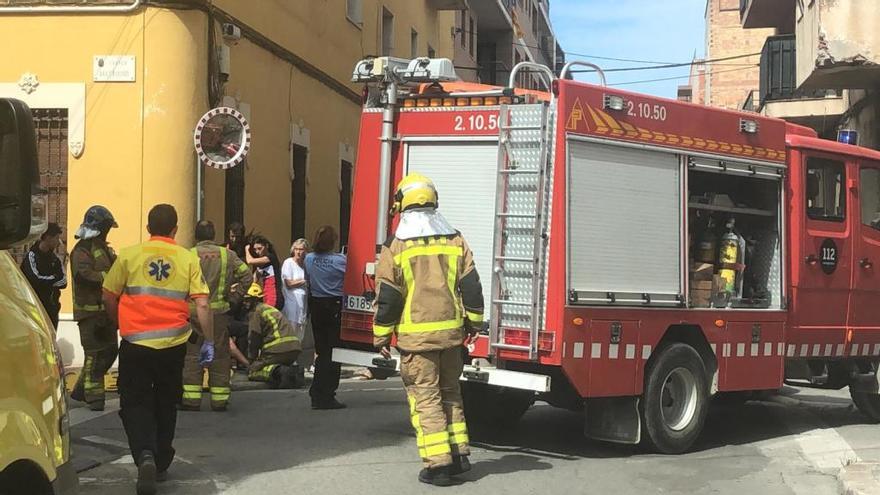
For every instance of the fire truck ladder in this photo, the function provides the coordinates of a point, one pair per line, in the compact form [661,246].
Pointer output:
[521,203]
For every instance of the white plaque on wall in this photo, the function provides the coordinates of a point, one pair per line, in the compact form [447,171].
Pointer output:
[113,68]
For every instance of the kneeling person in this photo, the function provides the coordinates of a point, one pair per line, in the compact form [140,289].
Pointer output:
[273,346]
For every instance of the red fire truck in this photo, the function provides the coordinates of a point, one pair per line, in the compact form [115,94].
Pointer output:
[639,255]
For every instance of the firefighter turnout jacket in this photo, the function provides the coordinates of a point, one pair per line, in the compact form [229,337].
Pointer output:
[90,261]
[228,277]
[154,282]
[428,290]
[269,332]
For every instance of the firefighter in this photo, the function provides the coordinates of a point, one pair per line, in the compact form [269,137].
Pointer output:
[228,277]
[90,260]
[273,346]
[429,296]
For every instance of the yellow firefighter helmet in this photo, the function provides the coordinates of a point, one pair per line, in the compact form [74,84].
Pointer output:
[255,291]
[414,191]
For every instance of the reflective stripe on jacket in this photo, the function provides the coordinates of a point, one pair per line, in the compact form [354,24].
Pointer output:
[89,262]
[228,277]
[154,282]
[426,289]
[270,332]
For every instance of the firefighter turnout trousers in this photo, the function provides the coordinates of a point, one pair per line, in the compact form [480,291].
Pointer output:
[97,334]
[435,404]
[261,369]
[218,371]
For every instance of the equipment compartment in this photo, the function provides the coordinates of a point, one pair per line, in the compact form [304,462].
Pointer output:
[734,244]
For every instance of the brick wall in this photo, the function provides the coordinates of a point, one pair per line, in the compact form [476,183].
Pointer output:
[730,81]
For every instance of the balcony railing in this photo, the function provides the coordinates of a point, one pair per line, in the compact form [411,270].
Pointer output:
[779,73]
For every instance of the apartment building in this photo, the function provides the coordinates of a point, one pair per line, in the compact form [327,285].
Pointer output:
[492,36]
[126,140]
[820,68]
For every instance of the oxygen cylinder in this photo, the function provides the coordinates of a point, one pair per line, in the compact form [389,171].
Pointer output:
[729,257]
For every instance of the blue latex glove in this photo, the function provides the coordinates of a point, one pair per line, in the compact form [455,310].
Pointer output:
[206,354]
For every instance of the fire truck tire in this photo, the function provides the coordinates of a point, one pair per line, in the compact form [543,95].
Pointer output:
[867,404]
[676,399]
[487,407]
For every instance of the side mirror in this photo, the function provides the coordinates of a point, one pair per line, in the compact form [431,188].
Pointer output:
[23,203]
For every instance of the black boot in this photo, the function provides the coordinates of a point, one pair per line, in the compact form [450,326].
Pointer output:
[146,482]
[330,403]
[460,465]
[438,476]
[275,378]
[288,377]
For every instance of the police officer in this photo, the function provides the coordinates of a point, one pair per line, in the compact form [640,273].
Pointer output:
[430,296]
[147,292]
[228,278]
[90,260]
[273,346]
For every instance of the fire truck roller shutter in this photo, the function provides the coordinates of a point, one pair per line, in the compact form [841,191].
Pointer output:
[465,177]
[625,222]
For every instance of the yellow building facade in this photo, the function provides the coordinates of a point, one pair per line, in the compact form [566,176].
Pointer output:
[125,140]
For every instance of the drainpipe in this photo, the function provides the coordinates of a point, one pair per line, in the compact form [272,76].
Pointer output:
[46,9]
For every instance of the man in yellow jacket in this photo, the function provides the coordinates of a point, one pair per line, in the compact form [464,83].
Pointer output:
[429,295]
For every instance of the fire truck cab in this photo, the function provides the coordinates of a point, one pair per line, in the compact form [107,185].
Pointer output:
[639,255]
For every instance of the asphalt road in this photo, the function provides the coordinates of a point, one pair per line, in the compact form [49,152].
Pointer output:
[272,442]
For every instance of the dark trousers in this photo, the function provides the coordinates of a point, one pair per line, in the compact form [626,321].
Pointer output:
[150,387]
[326,324]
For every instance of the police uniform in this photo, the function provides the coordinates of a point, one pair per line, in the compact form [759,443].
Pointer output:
[228,278]
[429,295]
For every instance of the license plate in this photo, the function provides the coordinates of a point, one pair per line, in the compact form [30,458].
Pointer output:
[358,303]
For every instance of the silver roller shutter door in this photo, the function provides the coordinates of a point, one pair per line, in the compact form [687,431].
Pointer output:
[465,176]
[624,220]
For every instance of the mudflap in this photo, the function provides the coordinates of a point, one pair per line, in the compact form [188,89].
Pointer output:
[613,419]
[868,383]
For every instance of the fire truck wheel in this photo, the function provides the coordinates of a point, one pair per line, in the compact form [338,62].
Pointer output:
[487,407]
[867,404]
[675,400]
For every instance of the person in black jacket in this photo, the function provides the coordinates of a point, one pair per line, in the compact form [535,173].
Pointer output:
[45,271]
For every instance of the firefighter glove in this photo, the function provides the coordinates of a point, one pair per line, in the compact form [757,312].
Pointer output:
[206,354]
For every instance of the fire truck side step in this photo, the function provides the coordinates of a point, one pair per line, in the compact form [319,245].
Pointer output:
[520,172]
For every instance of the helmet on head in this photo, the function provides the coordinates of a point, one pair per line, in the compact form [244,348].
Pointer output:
[255,291]
[96,221]
[415,191]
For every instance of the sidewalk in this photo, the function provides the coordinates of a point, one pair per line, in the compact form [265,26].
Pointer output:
[861,478]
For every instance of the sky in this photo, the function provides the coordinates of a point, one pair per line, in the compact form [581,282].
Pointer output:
[667,31]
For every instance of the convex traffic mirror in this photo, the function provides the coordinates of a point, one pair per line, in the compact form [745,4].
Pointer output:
[222,138]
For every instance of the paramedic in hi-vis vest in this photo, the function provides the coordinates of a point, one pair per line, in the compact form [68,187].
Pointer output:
[148,291]
[228,279]
[429,296]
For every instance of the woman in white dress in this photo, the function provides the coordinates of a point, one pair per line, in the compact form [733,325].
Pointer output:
[295,297]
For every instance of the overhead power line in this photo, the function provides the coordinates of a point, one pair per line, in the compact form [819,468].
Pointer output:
[680,77]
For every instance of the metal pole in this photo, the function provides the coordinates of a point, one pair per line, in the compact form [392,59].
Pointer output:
[385,162]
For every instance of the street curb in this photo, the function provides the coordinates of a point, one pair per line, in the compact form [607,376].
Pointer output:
[861,478]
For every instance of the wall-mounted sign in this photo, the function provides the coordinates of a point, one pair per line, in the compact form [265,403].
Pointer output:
[222,138]
[113,68]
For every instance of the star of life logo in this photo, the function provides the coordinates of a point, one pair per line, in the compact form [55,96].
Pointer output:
[158,270]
